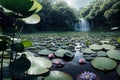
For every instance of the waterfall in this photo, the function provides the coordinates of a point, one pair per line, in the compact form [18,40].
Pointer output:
[82,25]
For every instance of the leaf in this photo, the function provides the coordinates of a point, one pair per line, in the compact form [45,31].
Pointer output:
[20,65]
[95,47]
[45,52]
[18,6]
[101,54]
[26,43]
[118,69]
[36,6]
[3,45]
[18,47]
[62,53]
[114,54]
[58,75]
[39,65]
[33,19]
[88,50]
[103,63]
[108,47]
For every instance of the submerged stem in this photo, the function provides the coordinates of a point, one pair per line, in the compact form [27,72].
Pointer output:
[2,65]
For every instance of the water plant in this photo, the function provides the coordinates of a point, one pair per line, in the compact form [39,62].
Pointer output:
[87,76]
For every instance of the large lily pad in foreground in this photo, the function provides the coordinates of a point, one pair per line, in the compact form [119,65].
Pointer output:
[58,75]
[39,65]
[103,63]
[114,54]
[62,53]
[118,69]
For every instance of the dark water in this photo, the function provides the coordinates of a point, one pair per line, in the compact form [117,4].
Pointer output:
[74,69]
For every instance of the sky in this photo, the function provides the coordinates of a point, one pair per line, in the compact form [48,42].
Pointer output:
[78,3]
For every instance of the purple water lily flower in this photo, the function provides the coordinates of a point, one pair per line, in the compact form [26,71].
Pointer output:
[87,76]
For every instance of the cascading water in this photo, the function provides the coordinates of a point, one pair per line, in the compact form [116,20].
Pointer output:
[82,25]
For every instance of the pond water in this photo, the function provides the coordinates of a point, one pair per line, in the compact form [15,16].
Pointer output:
[74,69]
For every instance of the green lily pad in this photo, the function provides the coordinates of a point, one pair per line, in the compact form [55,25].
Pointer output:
[101,54]
[33,19]
[88,50]
[103,63]
[39,65]
[26,43]
[118,69]
[95,47]
[105,41]
[62,53]
[20,65]
[108,47]
[114,54]
[45,52]
[58,75]
[89,58]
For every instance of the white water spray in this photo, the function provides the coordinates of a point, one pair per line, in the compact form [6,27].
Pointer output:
[82,25]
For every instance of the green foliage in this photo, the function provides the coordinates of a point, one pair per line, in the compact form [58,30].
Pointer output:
[56,16]
[102,13]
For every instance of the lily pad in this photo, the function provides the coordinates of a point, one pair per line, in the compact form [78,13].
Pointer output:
[45,52]
[89,58]
[95,47]
[101,54]
[39,65]
[58,75]
[118,69]
[88,50]
[103,63]
[62,53]
[108,47]
[114,54]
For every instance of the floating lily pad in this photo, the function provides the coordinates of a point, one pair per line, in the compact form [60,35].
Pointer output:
[45,52]
[95,47]
[108,47]
[114,54]
[88,50]
[89,58]
[101,54]
[62,53]
[105,41]
[39,65]
[58,75]
[20,65]
[103,63]
[118,69]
